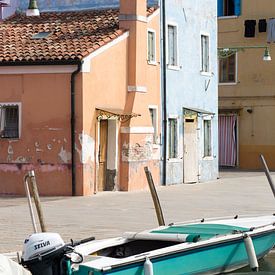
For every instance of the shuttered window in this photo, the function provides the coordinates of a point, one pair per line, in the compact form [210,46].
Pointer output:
[229,7]
[204,53]
[151,47]
[153,115]
[227,69]
[172,45]
[207,138]
[173,138]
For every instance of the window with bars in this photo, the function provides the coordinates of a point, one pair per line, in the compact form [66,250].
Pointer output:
[151,47]
[9,121]
[204,53]
[207,138]
[172,46]
[173,137]
[227,69]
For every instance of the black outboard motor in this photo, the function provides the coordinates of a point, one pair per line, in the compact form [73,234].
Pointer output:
[47,254]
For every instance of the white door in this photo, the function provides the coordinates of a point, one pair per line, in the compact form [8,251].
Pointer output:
[190,162]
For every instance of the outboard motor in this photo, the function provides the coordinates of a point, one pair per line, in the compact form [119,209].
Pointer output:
[47,254]
[42,253]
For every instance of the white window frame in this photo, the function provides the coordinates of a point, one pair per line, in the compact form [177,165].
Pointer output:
[154,61]
[207,73]
[19,105]
[236,73]
[175,117]
[207,118]
[176,43]
[155,123]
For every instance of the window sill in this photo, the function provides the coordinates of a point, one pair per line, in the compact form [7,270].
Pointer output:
[228,84]
[154,63]
[208,158]
[174,68]
[9,138]
[206,73]
[174,159]
[155,146]
[228,17]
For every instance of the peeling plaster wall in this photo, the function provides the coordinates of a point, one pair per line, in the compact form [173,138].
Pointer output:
[44,144]
[137,145]
[86,152]
[139,151]
[97,92]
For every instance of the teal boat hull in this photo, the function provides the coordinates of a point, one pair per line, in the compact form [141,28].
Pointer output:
[215,258]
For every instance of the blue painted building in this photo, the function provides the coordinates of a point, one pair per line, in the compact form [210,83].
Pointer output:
[55,5]
[191,114]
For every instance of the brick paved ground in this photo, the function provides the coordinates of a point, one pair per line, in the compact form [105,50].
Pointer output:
[111,213]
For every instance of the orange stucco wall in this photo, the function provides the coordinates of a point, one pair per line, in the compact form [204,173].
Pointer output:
[45,141]
[44,144]
[141,151]
[106,87]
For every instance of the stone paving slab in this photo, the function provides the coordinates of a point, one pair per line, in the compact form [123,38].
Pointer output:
[109,214]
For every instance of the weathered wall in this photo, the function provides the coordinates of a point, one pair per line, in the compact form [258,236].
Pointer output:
[44,144]
[255,85]
[186,86]
[135,150]
[138,149]
[104,87]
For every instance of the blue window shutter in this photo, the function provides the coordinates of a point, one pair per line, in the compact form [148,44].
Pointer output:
[238,4]
[220,7]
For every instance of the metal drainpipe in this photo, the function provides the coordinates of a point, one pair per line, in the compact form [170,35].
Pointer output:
[164,99]
[73,76]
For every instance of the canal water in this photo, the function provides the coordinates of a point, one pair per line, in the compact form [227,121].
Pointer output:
[267,266]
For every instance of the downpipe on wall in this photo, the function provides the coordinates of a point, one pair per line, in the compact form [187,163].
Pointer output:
[164,99]
[73,76]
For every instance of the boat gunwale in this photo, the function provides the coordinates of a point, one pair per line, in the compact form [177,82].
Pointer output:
[227,218]
[187,247]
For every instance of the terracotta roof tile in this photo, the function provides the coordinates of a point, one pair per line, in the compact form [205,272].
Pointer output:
[73,35]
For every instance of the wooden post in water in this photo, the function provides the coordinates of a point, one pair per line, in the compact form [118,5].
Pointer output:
[267,173]
[154,196]
[36,198]
[26,184]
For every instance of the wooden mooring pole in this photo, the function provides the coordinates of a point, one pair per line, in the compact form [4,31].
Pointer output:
[154,196]
[267,173]
[30,176]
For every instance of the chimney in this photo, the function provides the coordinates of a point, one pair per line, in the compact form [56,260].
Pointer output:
[132,9]
[3,4]
[133,17]
[33,9]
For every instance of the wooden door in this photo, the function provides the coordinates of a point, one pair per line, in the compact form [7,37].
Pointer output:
[103,142]
[190,164]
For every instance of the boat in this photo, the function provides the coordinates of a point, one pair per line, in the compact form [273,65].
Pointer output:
[199,247]
[206,246]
